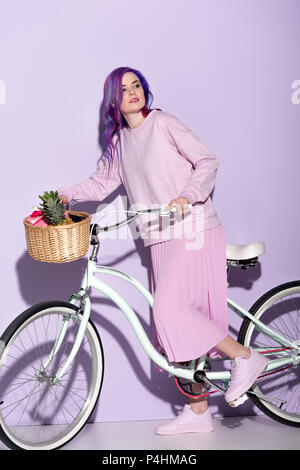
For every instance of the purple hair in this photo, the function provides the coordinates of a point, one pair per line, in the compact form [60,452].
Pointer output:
[111,116]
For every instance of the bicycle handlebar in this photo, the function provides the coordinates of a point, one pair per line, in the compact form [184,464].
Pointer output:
[162,212]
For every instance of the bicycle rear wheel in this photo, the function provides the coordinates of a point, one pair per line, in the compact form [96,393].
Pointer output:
[36,414]
[279,308]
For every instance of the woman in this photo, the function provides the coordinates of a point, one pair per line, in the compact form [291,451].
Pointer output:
[159,160]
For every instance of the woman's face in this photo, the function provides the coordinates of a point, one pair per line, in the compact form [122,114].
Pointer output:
[132,90]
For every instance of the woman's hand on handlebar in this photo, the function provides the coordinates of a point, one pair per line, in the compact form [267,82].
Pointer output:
[182,204]
[64,199]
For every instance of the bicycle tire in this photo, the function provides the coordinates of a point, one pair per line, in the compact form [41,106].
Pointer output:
[245,337]
[94,339]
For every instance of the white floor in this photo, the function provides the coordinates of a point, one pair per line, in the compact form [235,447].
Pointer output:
[235,433]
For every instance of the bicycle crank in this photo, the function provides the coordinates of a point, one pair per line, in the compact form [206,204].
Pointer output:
[239,401]
[200,376]
[267,397]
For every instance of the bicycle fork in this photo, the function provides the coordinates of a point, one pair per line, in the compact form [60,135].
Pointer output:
[85,307]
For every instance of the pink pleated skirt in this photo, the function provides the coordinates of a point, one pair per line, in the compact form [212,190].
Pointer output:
[189,287]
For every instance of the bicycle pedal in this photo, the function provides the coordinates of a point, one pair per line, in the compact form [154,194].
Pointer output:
[239,401]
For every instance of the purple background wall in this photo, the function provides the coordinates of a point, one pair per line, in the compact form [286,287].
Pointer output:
[227,70]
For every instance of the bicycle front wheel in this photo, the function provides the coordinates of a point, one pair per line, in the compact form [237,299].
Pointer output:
[35,413]
[279,309]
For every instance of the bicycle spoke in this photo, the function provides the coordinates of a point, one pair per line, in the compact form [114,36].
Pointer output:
[18,401]
[74,401]
[40,353]
[28,333]
[18,386]
[22,352]
[64,407]
[65,358]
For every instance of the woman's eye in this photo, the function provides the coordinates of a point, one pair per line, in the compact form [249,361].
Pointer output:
[135,86]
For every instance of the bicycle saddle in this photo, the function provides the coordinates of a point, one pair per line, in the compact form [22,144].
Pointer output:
[243,252]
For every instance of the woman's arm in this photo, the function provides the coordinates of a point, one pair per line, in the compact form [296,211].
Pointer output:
[205,163]
[97,186]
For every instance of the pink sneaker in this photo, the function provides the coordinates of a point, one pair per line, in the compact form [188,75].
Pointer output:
[187,421]
[244,372]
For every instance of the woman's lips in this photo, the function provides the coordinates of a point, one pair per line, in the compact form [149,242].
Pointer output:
[134,100]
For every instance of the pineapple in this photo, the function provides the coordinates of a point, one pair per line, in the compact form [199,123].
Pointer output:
[54,209]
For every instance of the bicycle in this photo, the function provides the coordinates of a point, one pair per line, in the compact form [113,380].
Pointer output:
[52,358]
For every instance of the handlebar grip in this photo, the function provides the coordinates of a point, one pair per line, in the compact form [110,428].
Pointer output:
[95,230]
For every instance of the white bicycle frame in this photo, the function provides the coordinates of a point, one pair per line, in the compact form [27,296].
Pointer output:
[178,370]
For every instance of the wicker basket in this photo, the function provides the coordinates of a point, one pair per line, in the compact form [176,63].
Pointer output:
[59,243]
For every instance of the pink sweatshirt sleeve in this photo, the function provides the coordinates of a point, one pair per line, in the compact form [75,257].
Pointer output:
[97,186]
[205,163]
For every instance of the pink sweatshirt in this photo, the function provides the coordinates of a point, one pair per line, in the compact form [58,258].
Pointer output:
[161,160]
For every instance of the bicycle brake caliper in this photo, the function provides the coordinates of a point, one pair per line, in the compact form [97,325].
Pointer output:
[81,298]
